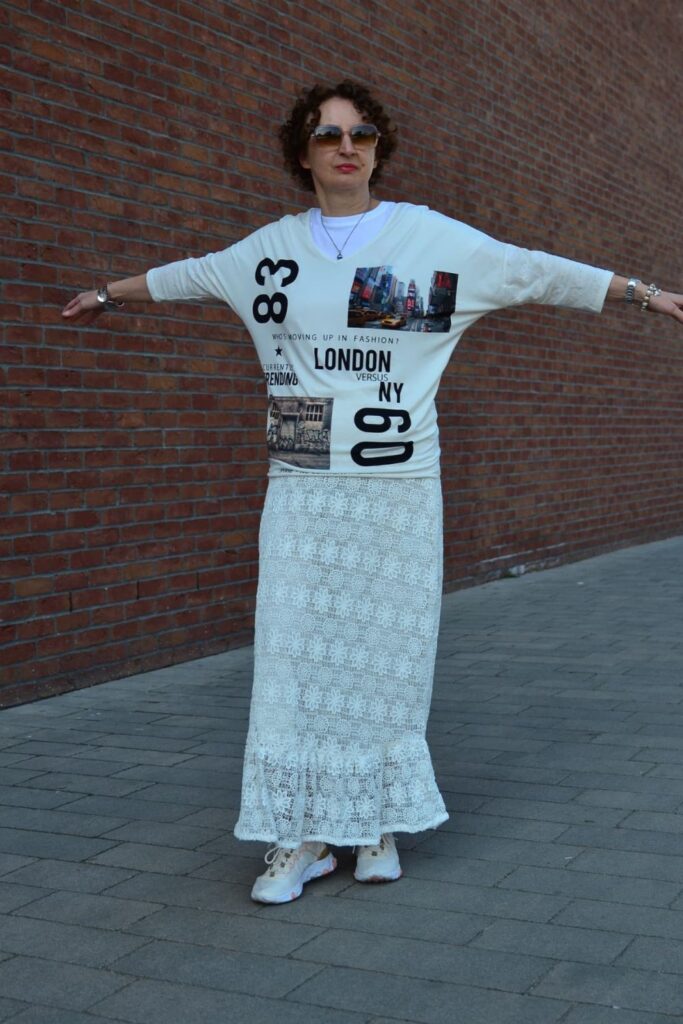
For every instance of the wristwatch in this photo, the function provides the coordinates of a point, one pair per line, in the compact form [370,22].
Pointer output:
[106,300]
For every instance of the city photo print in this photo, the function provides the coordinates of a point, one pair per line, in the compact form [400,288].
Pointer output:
[379,300]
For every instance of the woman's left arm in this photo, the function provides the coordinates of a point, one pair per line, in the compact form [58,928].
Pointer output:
[645,297]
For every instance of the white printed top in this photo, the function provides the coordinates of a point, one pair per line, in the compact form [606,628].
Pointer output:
[353,349]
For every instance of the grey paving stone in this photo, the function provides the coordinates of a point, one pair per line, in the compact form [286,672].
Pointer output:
[511,851]
[57,874]
[58,822]
[26,796]
[85,908]
[16,776]
[159,1002]
[47,748]
[610,986]
[580,884]
[418,864]
[608,1015]
[503,827]
[139,857]
[638,865]
[246,934]
[544,810]
[159,833]
[183,891]
[76,783]
[655,822]
[127,809]
[553,940]
[88,946]
[119,755]
[179,776]
[434,925]
[46,844]
[651,954]
[68,986]
[494,902]
[500,780]
[50,1015]
[511,972]
[10,1008]
[650,784]
[13,896]
[39,765]
[619,917]
[158,792]
[415,999]
[622,838]
[629,801]
[10,862]
[217,968]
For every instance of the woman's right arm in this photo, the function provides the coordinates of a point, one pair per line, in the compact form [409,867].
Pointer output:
[86,307]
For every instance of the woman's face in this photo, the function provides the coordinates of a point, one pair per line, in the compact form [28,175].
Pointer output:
[344,167]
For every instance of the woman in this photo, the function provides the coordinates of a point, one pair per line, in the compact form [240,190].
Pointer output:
[355,308]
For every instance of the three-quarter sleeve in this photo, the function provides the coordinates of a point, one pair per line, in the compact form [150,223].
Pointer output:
[194,279]
[532,276]
[504,275]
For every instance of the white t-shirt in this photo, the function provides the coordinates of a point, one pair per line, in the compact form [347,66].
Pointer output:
[353,349]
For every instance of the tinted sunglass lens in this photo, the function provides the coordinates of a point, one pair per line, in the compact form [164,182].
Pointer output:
[327,135]
[331,135]
[364,135]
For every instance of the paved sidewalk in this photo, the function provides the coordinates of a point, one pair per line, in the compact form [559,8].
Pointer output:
[553,893]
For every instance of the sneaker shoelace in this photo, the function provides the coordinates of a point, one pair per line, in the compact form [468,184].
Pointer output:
[378,848]
[280,860]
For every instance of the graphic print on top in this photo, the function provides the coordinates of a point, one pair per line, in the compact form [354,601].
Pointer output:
[379,300]
[299,431]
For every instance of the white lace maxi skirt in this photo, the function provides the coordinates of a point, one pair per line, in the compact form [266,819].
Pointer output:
[347,618]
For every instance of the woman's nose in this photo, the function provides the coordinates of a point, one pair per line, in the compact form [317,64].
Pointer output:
[346,144]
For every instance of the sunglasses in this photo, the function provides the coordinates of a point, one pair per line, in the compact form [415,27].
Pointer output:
[329,136]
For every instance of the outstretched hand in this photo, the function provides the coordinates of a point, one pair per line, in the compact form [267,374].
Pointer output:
[668,303]
[83,309]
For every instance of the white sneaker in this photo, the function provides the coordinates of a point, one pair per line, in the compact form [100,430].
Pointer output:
[289,870]
[378,863]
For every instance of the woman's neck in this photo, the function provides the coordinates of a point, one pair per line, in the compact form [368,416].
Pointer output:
[345,205]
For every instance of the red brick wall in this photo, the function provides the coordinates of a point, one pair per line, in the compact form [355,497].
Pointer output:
[138,133]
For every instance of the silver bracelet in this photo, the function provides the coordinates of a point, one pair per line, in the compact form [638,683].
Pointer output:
[652,290]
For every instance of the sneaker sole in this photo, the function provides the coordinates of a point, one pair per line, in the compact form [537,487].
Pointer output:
[318,869]
[380,878]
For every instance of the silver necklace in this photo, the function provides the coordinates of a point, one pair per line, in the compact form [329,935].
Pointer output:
[340,252]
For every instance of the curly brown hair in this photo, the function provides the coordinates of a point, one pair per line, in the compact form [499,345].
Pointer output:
[305,115]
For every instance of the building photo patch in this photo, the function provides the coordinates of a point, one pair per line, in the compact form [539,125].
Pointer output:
[299,431]
[380,300]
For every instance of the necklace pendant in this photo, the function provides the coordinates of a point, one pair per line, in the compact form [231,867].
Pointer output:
[339,256]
